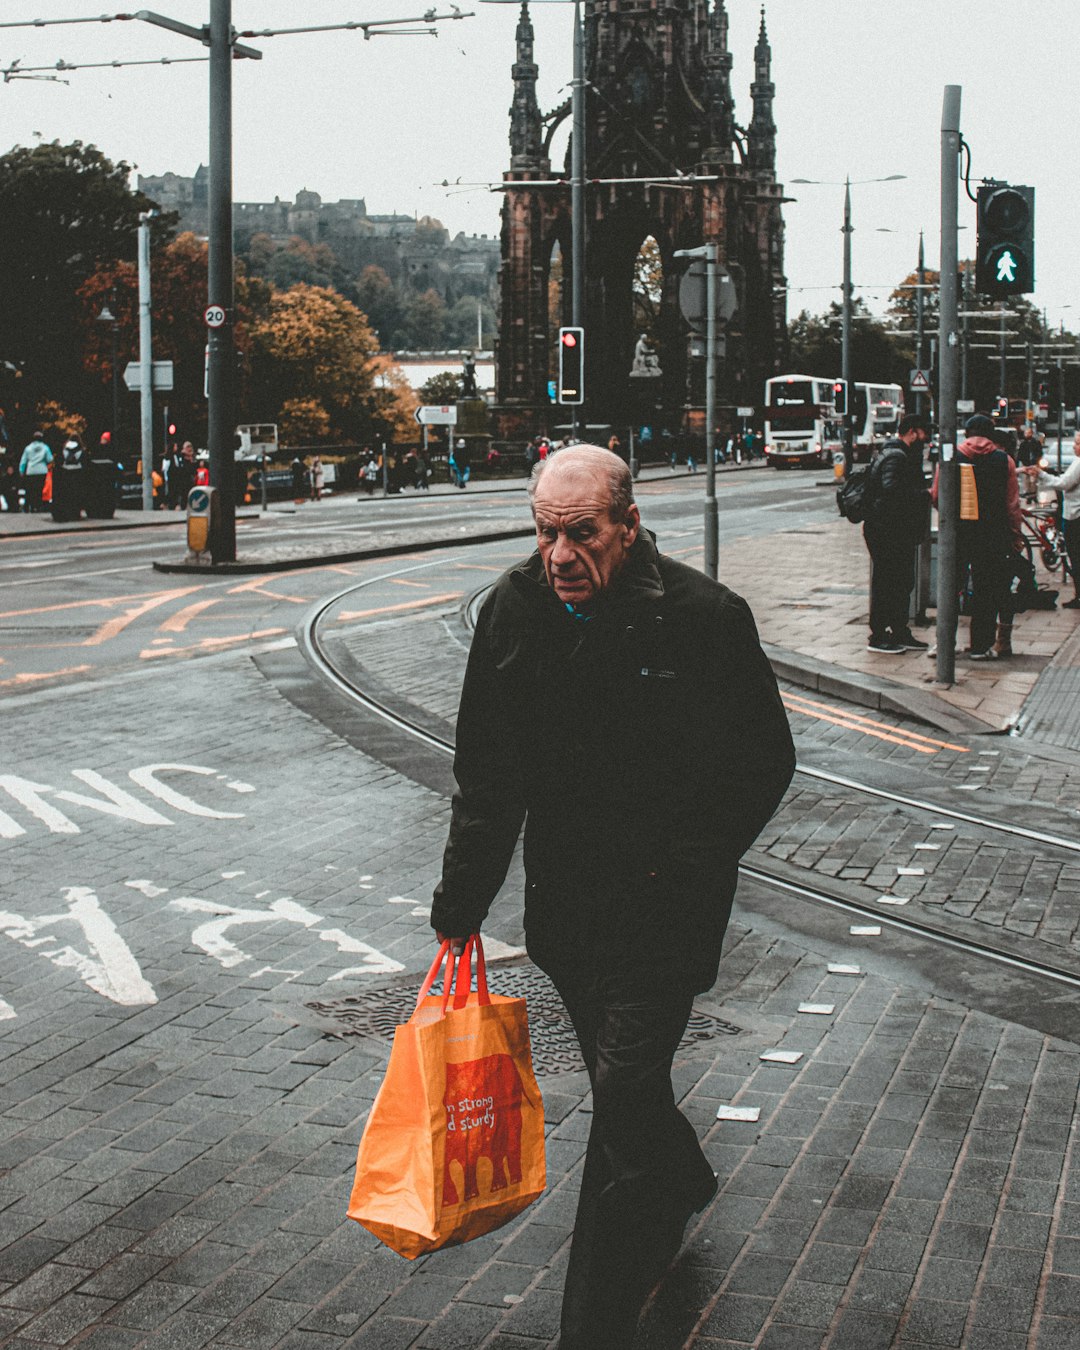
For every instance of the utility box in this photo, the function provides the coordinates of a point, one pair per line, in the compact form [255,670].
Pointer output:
[202,508]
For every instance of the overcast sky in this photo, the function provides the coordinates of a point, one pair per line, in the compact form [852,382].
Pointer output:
[859,92]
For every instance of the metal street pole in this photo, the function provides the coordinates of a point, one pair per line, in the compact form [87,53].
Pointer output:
[712,515]
[920,277]
[146,365]
[221,370]
[577,191]
[845,330]
[948,607]
[1003,391]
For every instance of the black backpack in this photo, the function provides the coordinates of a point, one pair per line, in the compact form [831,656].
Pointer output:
[855,495]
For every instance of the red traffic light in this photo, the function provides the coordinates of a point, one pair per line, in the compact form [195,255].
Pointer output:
[172,428]
[569,339]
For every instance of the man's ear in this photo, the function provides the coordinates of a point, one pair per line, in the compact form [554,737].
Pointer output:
[632,525]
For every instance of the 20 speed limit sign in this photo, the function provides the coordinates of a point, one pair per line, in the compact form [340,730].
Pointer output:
[214,316]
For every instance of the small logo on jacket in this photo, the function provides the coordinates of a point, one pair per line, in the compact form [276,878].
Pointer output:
[658,674]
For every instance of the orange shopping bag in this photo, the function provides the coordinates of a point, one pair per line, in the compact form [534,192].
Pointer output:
[454,1144]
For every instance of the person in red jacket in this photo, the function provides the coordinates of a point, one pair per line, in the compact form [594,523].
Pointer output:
[990,532]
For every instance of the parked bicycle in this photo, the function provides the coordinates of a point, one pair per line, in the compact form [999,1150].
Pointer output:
[1042,536]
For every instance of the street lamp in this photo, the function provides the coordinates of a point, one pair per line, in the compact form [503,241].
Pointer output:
[107,316]
[845,330]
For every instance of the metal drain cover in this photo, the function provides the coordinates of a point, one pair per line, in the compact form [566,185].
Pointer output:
[378,1012]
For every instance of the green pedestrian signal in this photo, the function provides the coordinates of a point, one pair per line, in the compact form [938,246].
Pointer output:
[1005,260]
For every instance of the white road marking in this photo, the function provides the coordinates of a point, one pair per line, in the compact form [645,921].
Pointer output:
[146,779]
[147,888]
[109,968]
[117,803]
[210,937]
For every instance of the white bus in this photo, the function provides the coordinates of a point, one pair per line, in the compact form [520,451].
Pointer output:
[802,425]
[876,413]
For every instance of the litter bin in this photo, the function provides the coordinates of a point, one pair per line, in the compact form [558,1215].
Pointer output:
[101,489]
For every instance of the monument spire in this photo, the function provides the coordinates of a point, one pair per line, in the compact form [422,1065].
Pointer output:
[720,106]
[761,134]
[526,129]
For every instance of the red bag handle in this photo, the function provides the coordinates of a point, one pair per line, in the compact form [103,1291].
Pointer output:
[452,980]
[462,988]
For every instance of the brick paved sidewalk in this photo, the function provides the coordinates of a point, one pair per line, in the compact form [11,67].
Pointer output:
[173,1173]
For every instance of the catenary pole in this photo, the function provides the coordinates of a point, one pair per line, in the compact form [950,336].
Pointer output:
[221,372]
[920,291]
[845,330]
[577,191]
[948,471]
[146,365]
[712,515]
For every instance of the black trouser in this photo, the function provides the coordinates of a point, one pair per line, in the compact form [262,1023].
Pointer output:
[1070,531]
[644,1170]
[891,583]
[991,573]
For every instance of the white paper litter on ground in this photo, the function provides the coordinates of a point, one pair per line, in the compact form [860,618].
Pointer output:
[911,871]
[822,1009]
[940,825]
[781,1056]
[893,899]
[968,787]
[739,1113]
[841,968]
[865,930]
[928,848]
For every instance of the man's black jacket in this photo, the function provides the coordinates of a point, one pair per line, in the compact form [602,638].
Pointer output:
[647,748]
[900,501]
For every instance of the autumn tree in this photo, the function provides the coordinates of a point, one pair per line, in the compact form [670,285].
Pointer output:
[178,288]
[648,287]
[314,352]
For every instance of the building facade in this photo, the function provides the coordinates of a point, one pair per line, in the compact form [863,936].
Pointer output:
[666,159]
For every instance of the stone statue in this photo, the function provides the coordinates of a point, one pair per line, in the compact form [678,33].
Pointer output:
[646,361]
[468,378]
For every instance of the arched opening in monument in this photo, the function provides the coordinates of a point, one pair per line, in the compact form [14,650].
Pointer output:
[646,296]
[558,301]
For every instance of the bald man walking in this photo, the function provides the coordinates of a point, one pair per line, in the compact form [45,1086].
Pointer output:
[619,704]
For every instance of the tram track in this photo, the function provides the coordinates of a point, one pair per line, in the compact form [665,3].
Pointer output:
[317,653]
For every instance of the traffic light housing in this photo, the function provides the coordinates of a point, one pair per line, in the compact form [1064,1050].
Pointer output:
[1005,260]
[571,388]
[839,393]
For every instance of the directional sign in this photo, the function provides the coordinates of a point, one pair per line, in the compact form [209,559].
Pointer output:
[214,316]
[920,382]
[198,499]
[441,416]
[161,376]
[744,412]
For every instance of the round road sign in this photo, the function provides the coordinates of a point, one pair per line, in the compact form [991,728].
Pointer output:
[214,316]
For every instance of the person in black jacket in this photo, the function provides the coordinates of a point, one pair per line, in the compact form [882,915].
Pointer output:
[894,526]
[619,703]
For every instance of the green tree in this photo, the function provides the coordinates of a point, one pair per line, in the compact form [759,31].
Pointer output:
[425,321]
[65,210]
[378,297]
[445,387]
[815,346]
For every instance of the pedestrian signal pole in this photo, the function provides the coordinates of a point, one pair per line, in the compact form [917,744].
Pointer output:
[948,608]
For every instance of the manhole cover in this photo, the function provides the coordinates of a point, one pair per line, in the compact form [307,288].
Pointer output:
[377,1012]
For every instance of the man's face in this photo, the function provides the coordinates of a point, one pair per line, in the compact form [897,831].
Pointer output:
[582,548]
